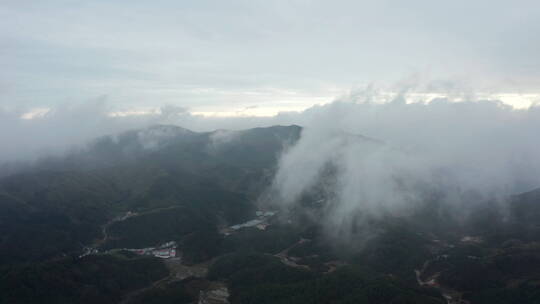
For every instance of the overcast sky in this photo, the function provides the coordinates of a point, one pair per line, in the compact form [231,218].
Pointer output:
[258,56]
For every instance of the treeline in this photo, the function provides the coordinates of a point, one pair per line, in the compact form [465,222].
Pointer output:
[258,278]
[92,279]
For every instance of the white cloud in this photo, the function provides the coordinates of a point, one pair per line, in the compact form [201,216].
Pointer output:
[444,147]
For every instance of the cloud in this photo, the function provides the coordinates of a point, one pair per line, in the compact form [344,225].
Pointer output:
[375,159]
[210,56]
[223,137]
[368,153]
[31,133]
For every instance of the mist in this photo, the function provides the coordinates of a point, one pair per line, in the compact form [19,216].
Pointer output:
[374,159]
[65,127]
[386,156]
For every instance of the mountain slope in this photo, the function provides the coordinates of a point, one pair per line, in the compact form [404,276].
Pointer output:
[61,204]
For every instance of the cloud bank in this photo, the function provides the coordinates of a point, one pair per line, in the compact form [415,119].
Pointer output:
[377,159]
[40,133]
[383,156]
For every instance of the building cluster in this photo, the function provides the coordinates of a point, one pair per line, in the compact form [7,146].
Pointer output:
[88,251]
[164,251]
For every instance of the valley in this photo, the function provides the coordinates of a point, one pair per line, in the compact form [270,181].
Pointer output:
[189,220]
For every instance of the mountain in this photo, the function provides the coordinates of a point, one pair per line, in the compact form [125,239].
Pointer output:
[62,203]
[168,215]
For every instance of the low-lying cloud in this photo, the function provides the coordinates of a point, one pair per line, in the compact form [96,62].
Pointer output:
[387,157]
[58,129]
[384,156]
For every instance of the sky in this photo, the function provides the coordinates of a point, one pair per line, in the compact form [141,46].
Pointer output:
[259,58]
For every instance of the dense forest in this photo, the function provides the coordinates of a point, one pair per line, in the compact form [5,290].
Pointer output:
[147,187]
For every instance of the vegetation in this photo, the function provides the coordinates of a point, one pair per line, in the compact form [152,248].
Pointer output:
[174,293]
[92,279]
[273,240]
[256,278]
[182,186]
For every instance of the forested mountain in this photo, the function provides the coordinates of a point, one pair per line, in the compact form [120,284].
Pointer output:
[72,229]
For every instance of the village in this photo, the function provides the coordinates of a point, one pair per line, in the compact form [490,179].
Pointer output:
[169,249]
[218,292]
[164,251]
